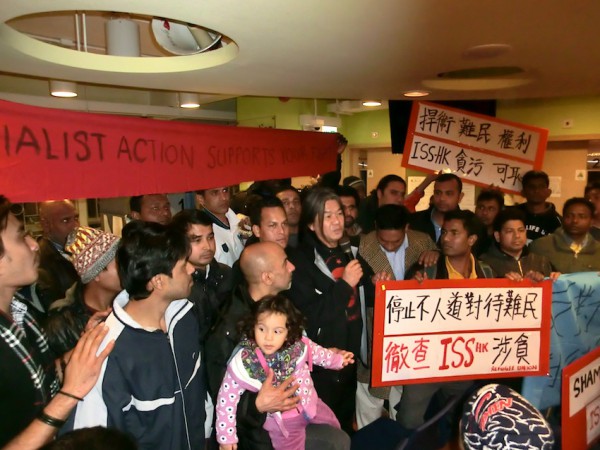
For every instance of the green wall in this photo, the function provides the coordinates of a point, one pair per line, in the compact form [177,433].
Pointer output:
[584,112]
[272,112]
[358,128]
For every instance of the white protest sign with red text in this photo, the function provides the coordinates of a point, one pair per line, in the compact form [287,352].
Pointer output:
[480,149]
[442,330]
[581,402]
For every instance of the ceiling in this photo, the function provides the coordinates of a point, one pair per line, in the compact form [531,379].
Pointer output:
[335,49]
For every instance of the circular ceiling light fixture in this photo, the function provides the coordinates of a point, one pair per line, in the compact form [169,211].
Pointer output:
[480,79]
[178,47]
[486,51]
[482,72]
[416,93]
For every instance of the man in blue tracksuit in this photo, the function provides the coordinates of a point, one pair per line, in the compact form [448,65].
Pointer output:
[152,385]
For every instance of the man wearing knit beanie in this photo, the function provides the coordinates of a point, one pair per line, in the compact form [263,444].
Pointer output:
[496,417]
[93,256]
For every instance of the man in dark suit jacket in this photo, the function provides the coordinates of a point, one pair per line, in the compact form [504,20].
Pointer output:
[391,248]
[447,194]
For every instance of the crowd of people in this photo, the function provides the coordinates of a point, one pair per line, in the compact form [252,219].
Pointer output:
[252,329]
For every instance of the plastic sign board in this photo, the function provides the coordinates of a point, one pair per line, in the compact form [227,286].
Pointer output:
[479,149]
[444,330]
[581,402]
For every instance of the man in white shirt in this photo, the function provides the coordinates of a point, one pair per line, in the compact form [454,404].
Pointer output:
[216,203]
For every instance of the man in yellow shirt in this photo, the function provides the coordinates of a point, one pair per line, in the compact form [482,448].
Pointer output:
[460,231]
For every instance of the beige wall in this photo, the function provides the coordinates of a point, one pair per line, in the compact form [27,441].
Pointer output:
[562,160]
[380,160]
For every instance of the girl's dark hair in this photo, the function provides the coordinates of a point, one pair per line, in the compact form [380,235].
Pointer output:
[277,304]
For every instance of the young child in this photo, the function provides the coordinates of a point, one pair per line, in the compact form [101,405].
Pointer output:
[273,341]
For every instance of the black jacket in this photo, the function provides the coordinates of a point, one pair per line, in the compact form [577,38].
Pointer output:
[66,321]
[421,221]
[323,300]
[209,293]
[540,225]
[56,273]
[219,345]
[502,263]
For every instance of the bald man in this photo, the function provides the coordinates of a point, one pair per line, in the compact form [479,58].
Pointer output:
[266,271]
[56,273]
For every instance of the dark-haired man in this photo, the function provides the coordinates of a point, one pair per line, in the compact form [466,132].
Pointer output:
[32,406]
[216,202]
[447,194]
[592,193]
[269,222]
[510,256]
[571,248]
[487,206]
[266,271]
[541,218]
[460,231]
[152,385]
[350,203]
[212,280]
[150,208]
[56,273]
[391,249]
[391,189]
[292,204]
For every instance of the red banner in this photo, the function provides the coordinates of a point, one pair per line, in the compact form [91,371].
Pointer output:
[52,154]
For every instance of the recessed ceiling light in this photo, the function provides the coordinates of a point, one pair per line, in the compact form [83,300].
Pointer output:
[63,89]
[189,100]
[371,103]
[416,93]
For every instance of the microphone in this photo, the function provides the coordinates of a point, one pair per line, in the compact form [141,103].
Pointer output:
[346,247]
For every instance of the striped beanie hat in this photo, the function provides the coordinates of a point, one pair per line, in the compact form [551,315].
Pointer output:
[91,251]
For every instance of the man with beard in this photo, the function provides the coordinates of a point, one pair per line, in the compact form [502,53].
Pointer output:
[292,204]
[350,203]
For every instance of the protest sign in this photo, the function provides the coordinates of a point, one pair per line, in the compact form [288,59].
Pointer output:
[442,330]
[581,402]
[480,149]
[575,332]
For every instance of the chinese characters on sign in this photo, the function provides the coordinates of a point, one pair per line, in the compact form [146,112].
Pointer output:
[444,329]
[581,402]
[473,146]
